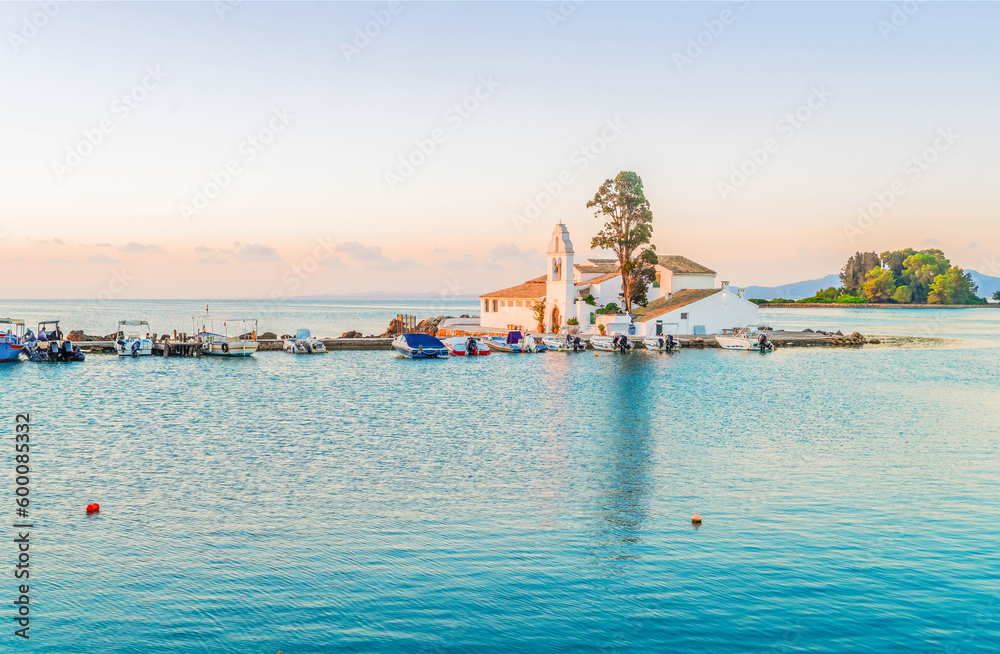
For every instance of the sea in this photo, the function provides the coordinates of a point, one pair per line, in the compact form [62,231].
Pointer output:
[359,502]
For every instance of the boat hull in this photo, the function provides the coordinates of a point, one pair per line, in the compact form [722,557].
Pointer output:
[10,353]
[125,350]
[238,349]
[422,353]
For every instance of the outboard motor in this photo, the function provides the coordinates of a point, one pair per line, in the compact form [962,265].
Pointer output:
[471,349]
[577,344]
[764,343]
[670,343]
[136,344]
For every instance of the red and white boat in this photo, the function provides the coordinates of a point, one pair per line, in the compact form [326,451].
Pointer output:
[461,346]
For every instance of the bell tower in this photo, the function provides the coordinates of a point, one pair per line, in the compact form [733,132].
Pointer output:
[559,286]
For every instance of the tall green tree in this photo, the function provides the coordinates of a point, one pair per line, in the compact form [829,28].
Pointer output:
[953,287]
[628,229]
[853,275]
[879,285]
[893,260]
[919,271]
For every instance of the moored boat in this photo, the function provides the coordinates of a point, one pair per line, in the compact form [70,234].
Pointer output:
[420,346]
[568,344]
[461,346]
[304,343]
[49,345]
[514,343]
[617,343]
[746,339]
[662,343]
[225,337]
[11,339]
[132,339]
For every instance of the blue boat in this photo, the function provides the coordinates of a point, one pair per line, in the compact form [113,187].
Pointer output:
[420,346]
[11,339]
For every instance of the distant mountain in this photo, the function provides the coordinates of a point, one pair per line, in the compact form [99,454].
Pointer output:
[987,285]
[796,291]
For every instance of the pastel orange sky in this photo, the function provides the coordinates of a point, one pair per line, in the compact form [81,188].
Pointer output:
[774,140]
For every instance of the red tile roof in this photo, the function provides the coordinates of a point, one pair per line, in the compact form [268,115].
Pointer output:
[680,299]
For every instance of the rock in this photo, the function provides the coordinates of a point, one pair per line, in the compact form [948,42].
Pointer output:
[839,333]
[464,315]
[807,331]
[76,335]
[856,336]
[352,334]
[269,336]
[285,336]
[425,326]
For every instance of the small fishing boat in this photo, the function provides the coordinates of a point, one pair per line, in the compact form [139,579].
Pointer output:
[132,339]
[225,337]
[304,343]
[662,343]
[618,343]
[11,339]
[420,346]
[568,344]
[461,346]
[49,346]
[513,343]
[746,339]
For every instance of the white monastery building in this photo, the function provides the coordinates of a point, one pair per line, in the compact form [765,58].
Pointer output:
[684,298]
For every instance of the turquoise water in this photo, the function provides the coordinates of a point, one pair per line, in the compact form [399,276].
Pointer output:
[358,502]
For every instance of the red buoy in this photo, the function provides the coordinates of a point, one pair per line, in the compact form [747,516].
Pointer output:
[93,508]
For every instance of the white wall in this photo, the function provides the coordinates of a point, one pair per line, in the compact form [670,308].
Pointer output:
[508,315]
[724,310]
[680,282]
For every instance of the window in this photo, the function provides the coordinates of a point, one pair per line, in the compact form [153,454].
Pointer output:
[494,305]
[684,316]
[486,306]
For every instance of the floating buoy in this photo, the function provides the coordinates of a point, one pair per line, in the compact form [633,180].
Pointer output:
[93,508]
[596,354]
[696,519]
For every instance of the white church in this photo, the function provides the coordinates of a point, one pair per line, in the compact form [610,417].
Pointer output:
[683,299]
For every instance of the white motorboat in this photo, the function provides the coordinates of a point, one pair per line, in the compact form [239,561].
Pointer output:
[746,339]
[132,339]
[568,344]
[420,346]
[304,343]
[225,337]
[617,343]
[662,343]
[514,343]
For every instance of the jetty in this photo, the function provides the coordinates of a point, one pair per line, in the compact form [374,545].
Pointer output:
[171,348]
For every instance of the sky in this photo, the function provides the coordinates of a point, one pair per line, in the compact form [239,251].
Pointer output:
[255,149]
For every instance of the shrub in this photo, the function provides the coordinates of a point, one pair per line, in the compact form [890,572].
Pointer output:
[590,300]
[851,299]
[608,309]
[573,321]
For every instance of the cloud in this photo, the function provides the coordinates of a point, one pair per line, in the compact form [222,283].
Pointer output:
[102,245]
[258,253]
[202,248]
[60,260]
[372,257]
[55,241]
[508,253]
[213,258]
[102,258]
[975,245]
[465,263]
[932,242]
[439,251]
[139,247]
[331,262]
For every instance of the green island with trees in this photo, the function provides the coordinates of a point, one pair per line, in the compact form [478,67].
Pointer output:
[897,277]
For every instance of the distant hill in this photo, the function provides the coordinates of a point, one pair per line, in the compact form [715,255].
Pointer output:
[987,285]
[796,291]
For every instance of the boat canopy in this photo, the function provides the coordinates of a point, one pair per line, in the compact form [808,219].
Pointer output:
[303,335]
[426,340]
[11,321]
[133,323]
[513,338]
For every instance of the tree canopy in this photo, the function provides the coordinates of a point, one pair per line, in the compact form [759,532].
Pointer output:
[907,276]
[627,232]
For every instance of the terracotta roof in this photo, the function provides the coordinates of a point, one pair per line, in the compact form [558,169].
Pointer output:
[533,288]
[598,280]
[682,265]
[680,299]
[601,269]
